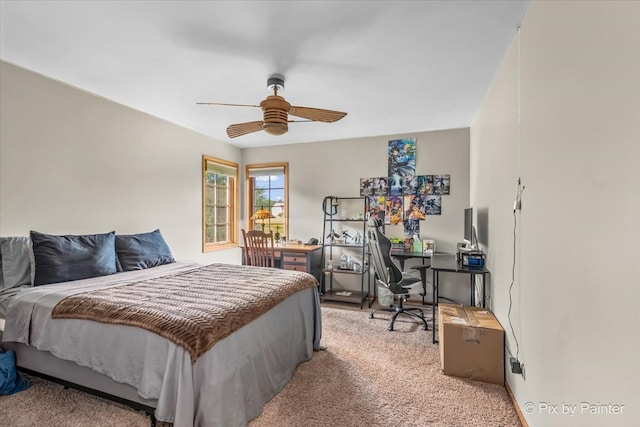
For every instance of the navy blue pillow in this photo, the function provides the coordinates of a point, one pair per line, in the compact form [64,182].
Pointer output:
[66,258]
[140,251]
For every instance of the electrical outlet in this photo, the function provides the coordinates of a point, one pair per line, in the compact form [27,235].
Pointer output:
[516,366]
[517,203]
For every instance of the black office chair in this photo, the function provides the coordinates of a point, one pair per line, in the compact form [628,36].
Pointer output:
[388,275]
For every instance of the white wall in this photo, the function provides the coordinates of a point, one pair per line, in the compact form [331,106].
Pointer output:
[74,163]
[334,168]
[576,293]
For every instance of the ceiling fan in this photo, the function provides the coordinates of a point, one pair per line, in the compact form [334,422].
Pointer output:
[276,111]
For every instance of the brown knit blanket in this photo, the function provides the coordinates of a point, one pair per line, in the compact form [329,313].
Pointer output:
[194,309]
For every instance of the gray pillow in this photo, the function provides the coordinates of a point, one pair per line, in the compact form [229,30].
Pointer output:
[17,262]
[140,251]
[70,257]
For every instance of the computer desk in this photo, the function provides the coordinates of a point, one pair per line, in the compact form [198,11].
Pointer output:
[404,254]
[449,263]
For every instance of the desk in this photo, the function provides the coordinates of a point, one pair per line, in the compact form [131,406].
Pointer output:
[403,254]
[449,264]
[305,258]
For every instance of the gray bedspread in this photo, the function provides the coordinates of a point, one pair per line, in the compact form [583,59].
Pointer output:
[226,386]
[6,295]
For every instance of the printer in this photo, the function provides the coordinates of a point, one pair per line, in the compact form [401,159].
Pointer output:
[472,258]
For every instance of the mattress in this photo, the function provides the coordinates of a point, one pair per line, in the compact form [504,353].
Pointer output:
[228,385]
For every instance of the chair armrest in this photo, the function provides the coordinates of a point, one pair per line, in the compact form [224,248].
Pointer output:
[423,275]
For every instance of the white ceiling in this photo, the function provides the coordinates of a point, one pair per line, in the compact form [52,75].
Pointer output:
[395,67]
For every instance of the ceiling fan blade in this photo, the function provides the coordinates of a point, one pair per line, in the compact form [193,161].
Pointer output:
[226,105]
[240,129]
[317,114]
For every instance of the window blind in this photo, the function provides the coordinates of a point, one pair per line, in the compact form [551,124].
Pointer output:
[255,172]
[221,169]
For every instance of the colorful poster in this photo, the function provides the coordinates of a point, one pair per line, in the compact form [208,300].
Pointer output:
[433,204]
[402,157]
[395,185]
[394,210]
[366,186]
[441,184]
[409,185]
[404,197]
[425,184]
[414,207]
[411,228]
[380,186]
[376,207]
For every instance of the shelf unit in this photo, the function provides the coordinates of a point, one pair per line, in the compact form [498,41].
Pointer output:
[332,250]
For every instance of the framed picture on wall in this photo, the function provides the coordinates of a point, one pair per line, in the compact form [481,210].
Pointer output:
[428,246]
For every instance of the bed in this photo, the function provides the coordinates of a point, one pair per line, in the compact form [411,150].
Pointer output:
[224,383]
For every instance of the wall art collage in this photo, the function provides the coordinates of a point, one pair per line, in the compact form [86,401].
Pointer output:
[402,197]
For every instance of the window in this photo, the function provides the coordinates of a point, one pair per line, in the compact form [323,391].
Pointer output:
[267,191]
[219,196]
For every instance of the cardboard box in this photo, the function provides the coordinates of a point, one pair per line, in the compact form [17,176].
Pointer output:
[471,343]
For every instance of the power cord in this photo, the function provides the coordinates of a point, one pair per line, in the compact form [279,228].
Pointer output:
[513,275]
[516,366]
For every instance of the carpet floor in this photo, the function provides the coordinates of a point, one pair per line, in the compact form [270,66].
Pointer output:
[368,376]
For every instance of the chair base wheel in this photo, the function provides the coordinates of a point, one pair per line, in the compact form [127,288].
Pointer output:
[414,312]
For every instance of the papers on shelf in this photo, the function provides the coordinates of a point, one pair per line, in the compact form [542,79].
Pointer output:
[343,294]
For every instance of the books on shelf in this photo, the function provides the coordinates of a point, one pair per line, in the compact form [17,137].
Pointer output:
[396,244]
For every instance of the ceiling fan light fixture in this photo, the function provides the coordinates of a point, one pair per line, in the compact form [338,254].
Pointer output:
[275,128]
[276,111]
[276,120]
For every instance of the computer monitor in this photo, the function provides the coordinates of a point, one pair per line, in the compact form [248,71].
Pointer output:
[469,231]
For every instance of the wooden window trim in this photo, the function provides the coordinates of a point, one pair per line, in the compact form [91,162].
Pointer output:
[233,224]
[249,191]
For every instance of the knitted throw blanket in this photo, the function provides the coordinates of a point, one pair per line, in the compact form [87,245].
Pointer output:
[194,309]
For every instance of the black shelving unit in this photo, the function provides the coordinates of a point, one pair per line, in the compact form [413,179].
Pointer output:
[332,250]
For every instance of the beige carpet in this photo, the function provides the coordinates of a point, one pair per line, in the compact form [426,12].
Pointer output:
[368,376]
[49,404]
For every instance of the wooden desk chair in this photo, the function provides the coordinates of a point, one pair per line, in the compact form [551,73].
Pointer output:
[258,248]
